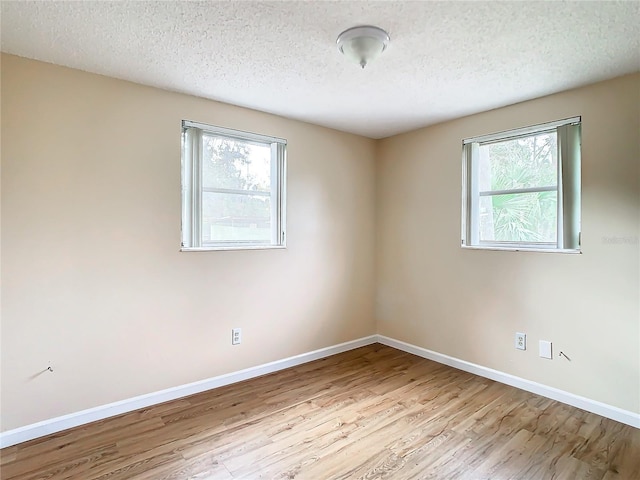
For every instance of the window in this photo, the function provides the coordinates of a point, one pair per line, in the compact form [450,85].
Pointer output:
[521,188]
[233,189]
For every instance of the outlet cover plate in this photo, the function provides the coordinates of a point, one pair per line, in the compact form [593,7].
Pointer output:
[521,341]
[545,349]
[236,336]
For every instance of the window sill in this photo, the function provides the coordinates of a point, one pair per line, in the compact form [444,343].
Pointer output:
[522,249]
[235,247]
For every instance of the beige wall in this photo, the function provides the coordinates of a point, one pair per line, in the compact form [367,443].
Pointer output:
[92,277]
[468,303]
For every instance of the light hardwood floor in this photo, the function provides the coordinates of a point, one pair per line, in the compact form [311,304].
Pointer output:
[370,413]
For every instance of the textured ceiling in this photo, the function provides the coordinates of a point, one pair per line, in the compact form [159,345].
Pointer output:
[445,59]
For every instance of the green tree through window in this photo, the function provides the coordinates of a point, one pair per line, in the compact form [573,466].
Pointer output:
[519,164]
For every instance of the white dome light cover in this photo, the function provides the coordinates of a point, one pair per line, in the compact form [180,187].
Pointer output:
[363,44]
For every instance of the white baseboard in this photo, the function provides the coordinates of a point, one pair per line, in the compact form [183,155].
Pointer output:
[58,424]
[593,406]
[54,425]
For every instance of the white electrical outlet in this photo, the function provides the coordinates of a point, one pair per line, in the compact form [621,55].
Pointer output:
[236,336]
[521,341]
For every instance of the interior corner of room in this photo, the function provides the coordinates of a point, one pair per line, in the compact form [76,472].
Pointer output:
[100,306]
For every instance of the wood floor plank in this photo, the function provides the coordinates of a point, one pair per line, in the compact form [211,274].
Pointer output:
[9,454]
[569,468]
[370,413]
[436,458]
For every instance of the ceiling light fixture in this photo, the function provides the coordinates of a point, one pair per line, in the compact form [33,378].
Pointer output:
[363,44]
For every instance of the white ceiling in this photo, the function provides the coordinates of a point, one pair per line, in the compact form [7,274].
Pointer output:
[445,60]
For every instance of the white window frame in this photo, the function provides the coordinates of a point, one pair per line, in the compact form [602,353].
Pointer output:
[192,188]
[568,188]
